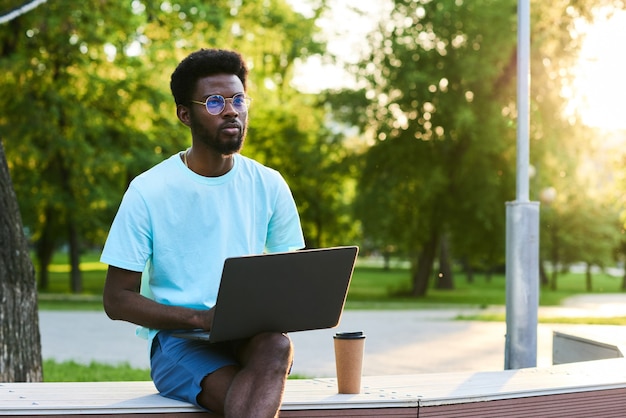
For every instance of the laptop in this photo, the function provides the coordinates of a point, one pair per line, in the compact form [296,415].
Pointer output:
[280,292]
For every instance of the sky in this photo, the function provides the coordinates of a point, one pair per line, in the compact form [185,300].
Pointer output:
[601,81]
[344,28]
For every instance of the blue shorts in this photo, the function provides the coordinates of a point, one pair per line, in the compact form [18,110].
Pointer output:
[178,365]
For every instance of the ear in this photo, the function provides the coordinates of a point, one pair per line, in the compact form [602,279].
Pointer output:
[183,114]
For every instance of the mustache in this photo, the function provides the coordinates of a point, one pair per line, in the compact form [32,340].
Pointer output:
[231,124]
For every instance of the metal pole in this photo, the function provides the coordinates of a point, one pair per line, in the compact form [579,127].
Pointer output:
[523,99]
[522,225]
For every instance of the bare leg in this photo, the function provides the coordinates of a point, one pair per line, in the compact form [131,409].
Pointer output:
[255,390]
[215,388]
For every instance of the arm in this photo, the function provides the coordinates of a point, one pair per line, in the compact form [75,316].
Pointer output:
[122,301]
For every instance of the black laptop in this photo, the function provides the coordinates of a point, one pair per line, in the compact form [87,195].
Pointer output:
[280,292]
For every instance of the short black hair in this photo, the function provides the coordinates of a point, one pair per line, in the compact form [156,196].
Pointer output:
[204,63]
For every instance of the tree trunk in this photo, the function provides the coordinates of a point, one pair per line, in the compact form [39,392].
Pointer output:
[543,276]
[424,268]
[468,269]
[555,257]
[445,280]
[44,274]
[20,342]
[553,284]
[588,283]
[386,259]
[45,249]
[76,279]
[489,274]
[622,252]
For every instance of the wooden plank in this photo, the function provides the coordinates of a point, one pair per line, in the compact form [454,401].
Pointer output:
[374,413]
[605,404]
[142,397]
[377,392]
[121,415]
[482,386]
[86,398]
[381,395]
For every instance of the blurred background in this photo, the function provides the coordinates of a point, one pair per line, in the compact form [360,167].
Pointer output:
[392,121]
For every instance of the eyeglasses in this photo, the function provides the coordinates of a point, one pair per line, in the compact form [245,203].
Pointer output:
[215,103]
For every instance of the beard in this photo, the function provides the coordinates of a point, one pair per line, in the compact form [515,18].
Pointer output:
[219,140]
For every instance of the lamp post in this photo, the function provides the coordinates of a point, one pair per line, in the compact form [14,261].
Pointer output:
[522,225]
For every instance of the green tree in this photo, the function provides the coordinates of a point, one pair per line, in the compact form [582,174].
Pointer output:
[578,228]
[441,85]
[77,122]
[580,224]
[315,162]
[440,169]
[621,203]
[95,109]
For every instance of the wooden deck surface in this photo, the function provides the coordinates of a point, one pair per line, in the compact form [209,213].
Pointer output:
[597,384]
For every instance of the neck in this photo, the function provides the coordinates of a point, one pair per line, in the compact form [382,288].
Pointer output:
[208,164]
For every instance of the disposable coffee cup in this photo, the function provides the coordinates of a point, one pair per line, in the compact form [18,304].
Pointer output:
[349,360]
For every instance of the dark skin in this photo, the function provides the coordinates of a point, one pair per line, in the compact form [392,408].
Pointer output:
[215,138]
[255,387]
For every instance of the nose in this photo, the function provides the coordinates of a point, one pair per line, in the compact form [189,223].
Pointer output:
[229,107]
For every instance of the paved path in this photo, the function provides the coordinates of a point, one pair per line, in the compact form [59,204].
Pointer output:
[398,342]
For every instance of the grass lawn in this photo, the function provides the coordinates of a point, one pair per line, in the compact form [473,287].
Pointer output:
[70,371]
[372,287]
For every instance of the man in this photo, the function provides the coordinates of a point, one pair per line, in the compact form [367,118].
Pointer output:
[178,221]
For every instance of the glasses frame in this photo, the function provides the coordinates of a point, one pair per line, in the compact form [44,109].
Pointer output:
[247,101]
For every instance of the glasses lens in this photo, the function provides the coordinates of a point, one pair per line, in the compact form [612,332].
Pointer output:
[215,104]
[240,102]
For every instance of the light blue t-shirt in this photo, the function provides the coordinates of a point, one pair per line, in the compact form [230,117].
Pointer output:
[178,227]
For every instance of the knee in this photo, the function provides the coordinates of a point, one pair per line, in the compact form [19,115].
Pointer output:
[275,345]
[279,342]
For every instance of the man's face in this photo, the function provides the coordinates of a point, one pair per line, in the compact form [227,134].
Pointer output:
[225,132]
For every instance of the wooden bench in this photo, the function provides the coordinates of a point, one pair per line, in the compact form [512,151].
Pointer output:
[596,388]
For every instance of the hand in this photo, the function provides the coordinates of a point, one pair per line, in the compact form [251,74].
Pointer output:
[208,319]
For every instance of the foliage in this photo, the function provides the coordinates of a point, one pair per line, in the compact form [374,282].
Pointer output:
[75,130]
[437,77]
[315,162]
[579,222]
[440,81]
[94,110]
[437,105]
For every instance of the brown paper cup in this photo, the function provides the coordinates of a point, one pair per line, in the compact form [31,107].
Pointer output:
[349,360]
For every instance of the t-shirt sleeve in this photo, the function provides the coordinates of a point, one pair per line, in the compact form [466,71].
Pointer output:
[129,244]
[284,231]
